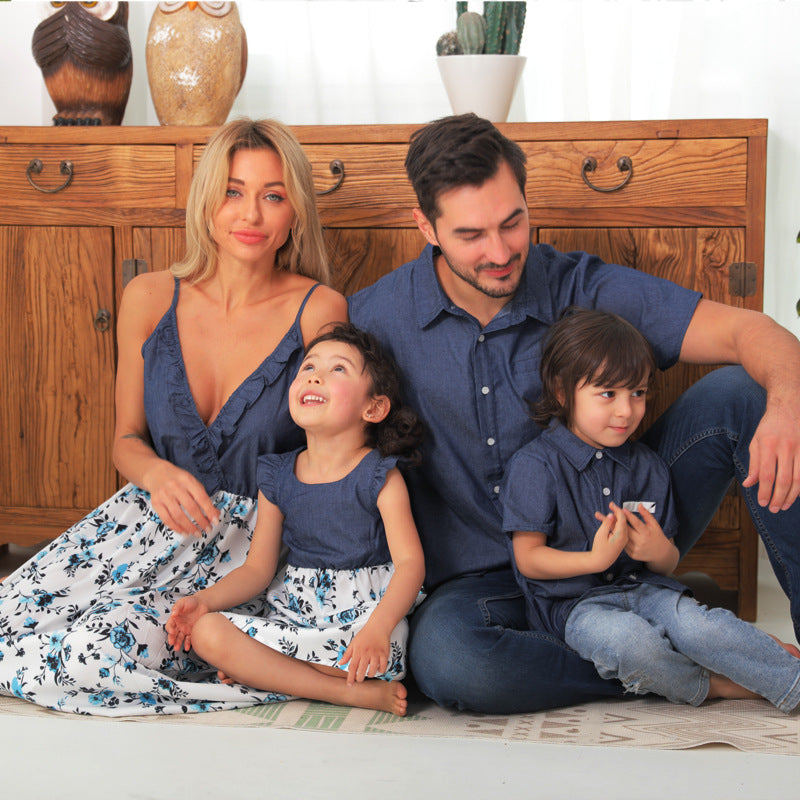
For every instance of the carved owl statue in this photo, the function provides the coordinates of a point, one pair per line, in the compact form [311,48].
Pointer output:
[84,53]
[196,61]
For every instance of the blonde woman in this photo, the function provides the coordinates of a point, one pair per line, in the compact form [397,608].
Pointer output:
[207,351]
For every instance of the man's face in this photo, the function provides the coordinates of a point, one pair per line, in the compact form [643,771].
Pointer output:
[484,235]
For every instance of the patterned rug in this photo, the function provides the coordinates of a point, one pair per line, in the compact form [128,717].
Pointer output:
[749,725]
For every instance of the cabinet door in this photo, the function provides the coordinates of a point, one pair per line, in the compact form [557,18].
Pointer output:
[360,256]
[159,247]
[56,411]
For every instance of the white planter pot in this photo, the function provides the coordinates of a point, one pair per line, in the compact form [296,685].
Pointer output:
[483,83]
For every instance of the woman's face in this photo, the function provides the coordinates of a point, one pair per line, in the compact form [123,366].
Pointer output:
[256,217]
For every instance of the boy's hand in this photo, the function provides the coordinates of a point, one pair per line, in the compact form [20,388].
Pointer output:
[610,538]
[646,540]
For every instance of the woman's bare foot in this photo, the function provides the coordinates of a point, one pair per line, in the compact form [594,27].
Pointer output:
[381,695]
[223,678]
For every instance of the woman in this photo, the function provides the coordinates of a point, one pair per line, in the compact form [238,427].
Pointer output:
[206,354]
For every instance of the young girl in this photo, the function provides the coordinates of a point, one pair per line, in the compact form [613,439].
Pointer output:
[355,563]
[604,589]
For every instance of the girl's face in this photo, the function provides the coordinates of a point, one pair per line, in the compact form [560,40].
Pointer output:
[605,416]
[332,391]
[255,219]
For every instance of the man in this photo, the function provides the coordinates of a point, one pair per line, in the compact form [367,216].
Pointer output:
[465,322]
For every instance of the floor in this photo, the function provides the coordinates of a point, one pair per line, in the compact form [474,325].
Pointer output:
[65,758]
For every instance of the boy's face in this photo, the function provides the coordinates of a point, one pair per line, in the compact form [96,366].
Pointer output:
[606,416]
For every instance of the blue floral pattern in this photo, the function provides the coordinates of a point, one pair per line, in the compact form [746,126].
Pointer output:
[82,623]
[313,615]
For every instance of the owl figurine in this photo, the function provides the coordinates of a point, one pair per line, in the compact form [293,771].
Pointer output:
[84,53]
[196,61]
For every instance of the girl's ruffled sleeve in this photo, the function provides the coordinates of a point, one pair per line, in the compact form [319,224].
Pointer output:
[382,467]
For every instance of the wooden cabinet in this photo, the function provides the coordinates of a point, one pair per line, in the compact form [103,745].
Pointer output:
[683,199]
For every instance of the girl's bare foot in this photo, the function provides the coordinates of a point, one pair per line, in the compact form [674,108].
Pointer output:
[381,695]
[372,693]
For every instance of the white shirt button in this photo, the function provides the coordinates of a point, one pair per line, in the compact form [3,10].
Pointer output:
[490,441]
[598,454]
[496,490]
[481,338]
[606,491]
[484,390]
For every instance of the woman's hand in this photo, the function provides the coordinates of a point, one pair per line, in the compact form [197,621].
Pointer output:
[180,500]
[368,654]
[186,611]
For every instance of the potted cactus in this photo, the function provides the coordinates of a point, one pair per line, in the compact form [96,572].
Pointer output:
[479,61]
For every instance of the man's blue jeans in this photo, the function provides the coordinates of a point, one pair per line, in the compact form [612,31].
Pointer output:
[469,644]
[655,639]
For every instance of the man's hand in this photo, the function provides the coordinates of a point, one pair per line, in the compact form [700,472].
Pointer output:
[775,457]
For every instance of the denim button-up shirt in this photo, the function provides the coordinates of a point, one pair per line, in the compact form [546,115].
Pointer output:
[553,486]
[471,385]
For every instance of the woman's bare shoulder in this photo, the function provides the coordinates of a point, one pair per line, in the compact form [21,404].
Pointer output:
[148,296]
[325,306]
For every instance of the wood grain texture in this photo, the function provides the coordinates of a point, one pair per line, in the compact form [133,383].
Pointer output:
[56,417]
[666,173]
[359,257]
[117,177]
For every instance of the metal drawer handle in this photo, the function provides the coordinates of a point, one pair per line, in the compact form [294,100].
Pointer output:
[337,170]
[623,165]
[36,166]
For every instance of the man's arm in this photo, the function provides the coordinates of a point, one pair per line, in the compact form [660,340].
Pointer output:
[770,354]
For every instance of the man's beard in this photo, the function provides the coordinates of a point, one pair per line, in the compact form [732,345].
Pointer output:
[499,291]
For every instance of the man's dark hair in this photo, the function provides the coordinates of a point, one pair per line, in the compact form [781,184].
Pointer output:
[594,347]
[464,150]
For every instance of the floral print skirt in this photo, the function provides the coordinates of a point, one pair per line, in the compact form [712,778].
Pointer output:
[82,622]
[313,615]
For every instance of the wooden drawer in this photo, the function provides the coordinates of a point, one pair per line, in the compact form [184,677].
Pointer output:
[374,191]
[119,177]
[665,173]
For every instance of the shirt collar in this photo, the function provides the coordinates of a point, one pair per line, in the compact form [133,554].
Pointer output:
[431,300]
[579,453]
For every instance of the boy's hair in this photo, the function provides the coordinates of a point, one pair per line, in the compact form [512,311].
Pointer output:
[401,432]
[463,150]
[594,347]
[304,252]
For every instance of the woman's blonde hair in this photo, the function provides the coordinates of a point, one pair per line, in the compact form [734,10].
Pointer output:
[303,252]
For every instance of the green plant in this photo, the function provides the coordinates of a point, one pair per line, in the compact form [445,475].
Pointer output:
[497,30]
